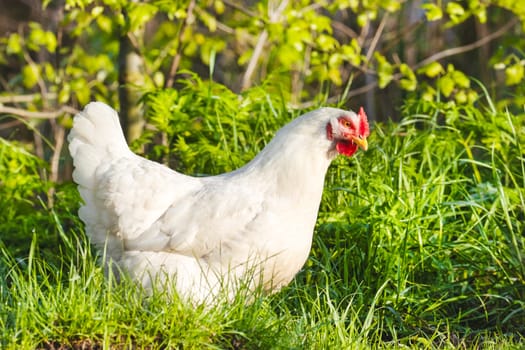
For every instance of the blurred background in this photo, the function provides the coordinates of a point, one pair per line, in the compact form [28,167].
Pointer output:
[56,56]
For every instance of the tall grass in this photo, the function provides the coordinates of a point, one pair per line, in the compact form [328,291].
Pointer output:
[436,213]
[419,242]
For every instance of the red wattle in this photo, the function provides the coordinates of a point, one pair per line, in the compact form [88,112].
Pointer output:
[346,148]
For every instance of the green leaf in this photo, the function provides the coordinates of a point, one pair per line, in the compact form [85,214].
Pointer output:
[38,38]
[326,42]
[14,45]
[105,23]
[180,14]
[350,54]
[514,74]
[428,94]
[364,17]
[81,90]
[158,79]
[320,23]
[64,94]
[219,7]
[432,11]
[209,20]
[50,41]
[409,82]
[385,70]
[49,71]
[461,97]
[472,96]
[335,76]
[30,75]
[335,60]
[287,54]
[478,9]
[140,14]
[460,79]
[97,10]
[481,14]
[446,85]
[456,12]
[432,70]
[246,55]
[391,6]
[298,34]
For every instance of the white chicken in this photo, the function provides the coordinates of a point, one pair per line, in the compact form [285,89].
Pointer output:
[208,235]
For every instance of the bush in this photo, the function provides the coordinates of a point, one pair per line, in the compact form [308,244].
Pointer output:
[24,211]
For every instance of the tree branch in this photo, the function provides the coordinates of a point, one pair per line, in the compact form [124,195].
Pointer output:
[239,8]
[37,115]
[346,30]
[59,132]
[26,98]
[10,124]
[461,49]
[274,16]
[442,54]
[176,60]
[257,51]
[375,40]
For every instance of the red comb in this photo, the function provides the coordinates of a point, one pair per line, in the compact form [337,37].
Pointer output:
[363,123]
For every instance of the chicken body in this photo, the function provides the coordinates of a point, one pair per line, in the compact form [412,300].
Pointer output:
[208,235]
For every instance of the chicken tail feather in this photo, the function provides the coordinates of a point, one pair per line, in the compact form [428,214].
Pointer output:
[95,142]
[96,138]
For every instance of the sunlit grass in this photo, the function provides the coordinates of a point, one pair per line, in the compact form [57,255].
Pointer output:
[419,243]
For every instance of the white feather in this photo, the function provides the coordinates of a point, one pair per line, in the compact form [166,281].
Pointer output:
[156,223]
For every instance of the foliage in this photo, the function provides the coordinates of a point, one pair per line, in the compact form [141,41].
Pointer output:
[434,212]
[82,73]
[207,129]
[303,40]
[120,51]
[23,203]
[18,173]
[20,188]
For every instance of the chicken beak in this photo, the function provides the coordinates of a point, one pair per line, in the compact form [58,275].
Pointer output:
[361,142]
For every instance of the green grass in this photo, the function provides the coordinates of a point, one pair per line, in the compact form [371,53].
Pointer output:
[419,243]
